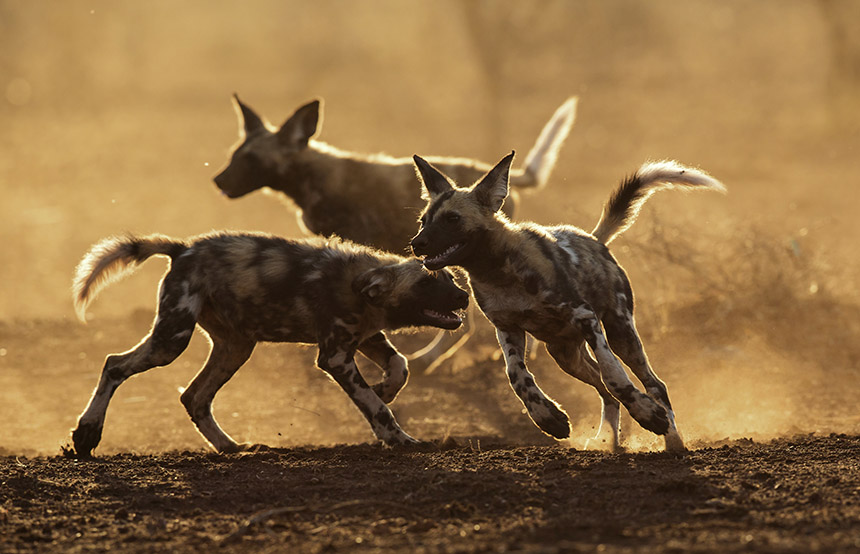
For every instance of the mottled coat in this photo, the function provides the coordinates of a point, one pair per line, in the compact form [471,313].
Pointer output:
[243,288]
[369,199]
[560,284]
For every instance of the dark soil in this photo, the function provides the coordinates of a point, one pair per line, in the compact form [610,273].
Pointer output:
[788,495]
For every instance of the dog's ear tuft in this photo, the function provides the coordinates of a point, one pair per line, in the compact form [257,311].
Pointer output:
[374,285]
[492,189]
[249,121]
[302,125]
[433,181]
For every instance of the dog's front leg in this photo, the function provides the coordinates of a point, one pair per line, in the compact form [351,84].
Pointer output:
[543,410]
[338,362]
[393,364]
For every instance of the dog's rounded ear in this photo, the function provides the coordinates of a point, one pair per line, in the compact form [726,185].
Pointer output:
[249,121]
[302,125]
[374,285]
[492,189]
[434,181]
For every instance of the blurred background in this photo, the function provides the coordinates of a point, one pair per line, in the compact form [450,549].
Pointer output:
[114,116]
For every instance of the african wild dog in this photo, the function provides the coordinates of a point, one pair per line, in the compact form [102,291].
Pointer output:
[245,288]
[369,199]
[560,284]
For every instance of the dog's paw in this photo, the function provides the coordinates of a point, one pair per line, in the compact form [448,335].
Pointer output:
[674,442]
[649,414]
[401,439]
[550,418]
[252,447]
[85,438]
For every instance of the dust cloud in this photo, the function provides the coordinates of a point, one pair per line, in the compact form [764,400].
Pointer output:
[116,114]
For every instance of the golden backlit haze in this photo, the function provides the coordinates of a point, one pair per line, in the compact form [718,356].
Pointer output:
[114,116]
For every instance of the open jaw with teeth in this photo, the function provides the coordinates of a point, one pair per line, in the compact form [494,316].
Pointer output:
[446,320]
[440,260]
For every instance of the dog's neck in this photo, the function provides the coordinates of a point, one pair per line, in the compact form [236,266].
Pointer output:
[310,173]
[491,252]
[299,180]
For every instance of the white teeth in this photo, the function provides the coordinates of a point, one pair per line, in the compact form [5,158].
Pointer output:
[437,315]
[444,254]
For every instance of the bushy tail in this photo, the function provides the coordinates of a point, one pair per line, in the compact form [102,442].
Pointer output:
[113,258]
[623,206]
[540,161]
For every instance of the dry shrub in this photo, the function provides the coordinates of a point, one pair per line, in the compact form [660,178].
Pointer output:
[750,283]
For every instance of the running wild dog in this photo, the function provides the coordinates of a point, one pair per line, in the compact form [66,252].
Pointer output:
[561,285]
[245,288]
[369,199]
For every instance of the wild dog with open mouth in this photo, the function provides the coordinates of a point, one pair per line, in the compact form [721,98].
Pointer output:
[245,288]
[560,284]
[369,199]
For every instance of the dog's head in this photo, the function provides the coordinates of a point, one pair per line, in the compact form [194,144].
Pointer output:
[413,296]
[264,154]
[456,219]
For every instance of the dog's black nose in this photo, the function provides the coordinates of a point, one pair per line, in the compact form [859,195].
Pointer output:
[418,243]
[219,179]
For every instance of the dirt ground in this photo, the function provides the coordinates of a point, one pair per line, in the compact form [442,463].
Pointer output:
[787,495]
[115,115]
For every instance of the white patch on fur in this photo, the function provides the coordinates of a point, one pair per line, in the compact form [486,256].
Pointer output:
[189,302]
[568,249]
[313,275]
[274,266]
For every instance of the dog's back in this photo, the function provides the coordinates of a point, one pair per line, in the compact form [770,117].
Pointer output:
[252,281]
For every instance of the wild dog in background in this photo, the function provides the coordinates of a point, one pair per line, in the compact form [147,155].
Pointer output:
[246,288]
[560,284]
[369,199]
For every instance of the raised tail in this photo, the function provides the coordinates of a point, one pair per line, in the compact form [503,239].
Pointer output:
[540,161]
[113,258]
[623,206]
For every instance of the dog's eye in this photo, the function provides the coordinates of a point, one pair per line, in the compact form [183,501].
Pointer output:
[452,217]
[425,282]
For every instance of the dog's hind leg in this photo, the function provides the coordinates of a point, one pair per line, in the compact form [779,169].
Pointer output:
[226,357]
[648,413]
[577,362]
[624,339]
[170,335]
[393,364]
[543,410]
[337,360]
